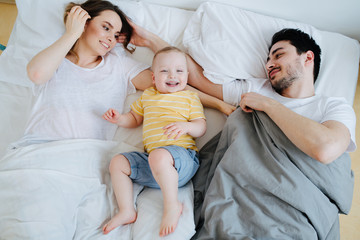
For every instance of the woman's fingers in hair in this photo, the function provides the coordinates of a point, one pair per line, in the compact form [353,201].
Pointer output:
[121,38]
[76,20]
[80,12]
[130,21]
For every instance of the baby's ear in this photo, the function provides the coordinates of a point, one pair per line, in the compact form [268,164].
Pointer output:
[153,77]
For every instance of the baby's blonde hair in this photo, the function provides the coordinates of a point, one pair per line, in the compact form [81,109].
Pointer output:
[169,49]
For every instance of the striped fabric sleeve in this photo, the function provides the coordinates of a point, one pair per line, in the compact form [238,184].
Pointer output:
[137,106]
[197,110]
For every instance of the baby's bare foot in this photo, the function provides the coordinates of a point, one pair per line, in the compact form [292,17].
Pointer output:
[170,219]
[121,218]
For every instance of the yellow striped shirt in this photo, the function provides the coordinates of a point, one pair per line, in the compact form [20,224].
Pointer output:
[160,110]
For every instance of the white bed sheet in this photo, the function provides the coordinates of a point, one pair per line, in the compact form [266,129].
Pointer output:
[41,21]
[70,201]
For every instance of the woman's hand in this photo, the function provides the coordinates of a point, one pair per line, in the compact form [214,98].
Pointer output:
[140,36]
[76,20]
[144,38]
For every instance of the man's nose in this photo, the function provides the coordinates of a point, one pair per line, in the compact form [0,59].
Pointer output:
[269,65]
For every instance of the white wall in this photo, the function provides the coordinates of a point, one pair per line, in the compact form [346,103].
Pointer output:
[342,16]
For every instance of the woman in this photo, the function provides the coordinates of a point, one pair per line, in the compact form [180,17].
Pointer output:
[78,77]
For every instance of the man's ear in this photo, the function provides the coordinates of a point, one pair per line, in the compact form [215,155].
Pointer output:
[309,57]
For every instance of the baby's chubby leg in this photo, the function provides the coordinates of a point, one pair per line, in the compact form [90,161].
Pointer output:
[162,167]
[120,171]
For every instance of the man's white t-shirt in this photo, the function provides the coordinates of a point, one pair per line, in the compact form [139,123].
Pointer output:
[318,108]
[71,104]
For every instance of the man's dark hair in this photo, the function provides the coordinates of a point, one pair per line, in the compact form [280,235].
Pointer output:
[302,42]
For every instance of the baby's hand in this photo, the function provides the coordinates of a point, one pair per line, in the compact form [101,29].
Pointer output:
[111,115]
[176,129]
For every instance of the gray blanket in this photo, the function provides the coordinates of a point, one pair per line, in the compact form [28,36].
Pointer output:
[258,185]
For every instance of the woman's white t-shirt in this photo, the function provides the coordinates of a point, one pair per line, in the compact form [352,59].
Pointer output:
[318,108]
[71,104]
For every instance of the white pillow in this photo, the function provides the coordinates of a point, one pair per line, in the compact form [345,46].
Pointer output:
[40,23]
[167,22]
[229,42]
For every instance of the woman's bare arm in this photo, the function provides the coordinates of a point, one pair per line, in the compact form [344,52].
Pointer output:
[43,66]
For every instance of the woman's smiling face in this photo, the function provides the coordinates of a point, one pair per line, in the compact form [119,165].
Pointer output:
[102,31]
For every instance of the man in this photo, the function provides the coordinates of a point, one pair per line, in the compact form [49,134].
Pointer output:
[271,175]
[293,66]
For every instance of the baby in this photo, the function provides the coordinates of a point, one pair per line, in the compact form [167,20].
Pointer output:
[172,117]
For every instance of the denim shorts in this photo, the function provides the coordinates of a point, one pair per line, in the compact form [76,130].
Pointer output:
[186,163]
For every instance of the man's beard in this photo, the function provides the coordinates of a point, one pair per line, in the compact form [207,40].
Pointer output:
[282,84]
[293,74]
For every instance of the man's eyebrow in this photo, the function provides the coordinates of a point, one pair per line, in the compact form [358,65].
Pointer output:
[273,52]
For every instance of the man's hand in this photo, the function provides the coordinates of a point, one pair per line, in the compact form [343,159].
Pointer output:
[254,101]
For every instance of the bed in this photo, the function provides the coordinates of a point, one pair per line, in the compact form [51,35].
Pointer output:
[214,34]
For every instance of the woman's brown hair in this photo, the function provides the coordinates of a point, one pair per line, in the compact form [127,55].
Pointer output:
[95,7]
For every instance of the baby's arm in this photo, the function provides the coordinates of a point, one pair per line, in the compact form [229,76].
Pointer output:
[195,128]
[126,120]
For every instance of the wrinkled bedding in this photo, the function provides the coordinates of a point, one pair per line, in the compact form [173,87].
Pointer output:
[62,190]
[46,195]
[258,185]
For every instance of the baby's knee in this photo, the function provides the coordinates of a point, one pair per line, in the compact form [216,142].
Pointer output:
[119,163]
[159,157]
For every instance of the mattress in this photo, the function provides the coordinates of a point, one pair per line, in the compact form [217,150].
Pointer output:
[215,35]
